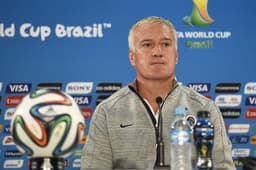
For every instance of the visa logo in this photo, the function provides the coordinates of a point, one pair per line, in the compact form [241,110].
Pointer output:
[82,100]
[250,100]
[200,87]
[18,88]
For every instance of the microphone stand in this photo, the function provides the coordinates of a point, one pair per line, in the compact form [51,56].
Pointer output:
[160,146]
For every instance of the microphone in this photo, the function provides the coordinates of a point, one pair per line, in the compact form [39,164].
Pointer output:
[160,146]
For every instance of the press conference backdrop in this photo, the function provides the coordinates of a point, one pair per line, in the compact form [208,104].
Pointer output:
[80,47]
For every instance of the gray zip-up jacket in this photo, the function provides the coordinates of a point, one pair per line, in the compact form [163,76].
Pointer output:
[122,133]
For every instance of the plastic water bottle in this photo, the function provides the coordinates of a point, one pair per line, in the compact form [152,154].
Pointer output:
[180,142]
[204,135]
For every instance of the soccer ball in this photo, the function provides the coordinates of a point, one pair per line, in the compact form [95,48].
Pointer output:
[47,123]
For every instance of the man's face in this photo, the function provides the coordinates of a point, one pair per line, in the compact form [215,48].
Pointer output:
[155,54]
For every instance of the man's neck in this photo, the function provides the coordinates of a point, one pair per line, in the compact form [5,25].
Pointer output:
[151,89]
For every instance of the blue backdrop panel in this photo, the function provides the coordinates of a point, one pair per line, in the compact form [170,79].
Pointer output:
[47,42]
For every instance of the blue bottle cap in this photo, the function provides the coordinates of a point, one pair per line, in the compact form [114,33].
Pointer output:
[180,111]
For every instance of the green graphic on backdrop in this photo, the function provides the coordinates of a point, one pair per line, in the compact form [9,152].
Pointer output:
[199,16]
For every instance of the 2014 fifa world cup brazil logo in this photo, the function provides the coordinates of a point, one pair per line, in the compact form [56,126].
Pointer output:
[199,16]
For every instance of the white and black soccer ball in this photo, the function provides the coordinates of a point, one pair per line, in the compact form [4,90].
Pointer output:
[47,123]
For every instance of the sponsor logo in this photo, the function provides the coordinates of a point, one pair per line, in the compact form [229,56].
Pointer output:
[108,87]
[253,140]
[1,86]
[79,87]
[199,16]
[8,140]
[200,87]
[76,163]
[54,86]
[82,100]
[228,87]
[250,101]
[13,100]
[250,113]
[13,153]
[230,113]
[83,140]
[9,113]
[239,139]
[18,88]
[228,100]
[238,128]
[13,163]
[1,128]
[7,129]
[100,99]
[87,112]
[250,88]
[77,153]
[238,163]
[208,96]
[240,152]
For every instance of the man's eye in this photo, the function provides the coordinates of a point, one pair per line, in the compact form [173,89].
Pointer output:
[166,44]
[147,45]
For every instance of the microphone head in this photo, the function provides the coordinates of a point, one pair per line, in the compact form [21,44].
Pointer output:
[159,100]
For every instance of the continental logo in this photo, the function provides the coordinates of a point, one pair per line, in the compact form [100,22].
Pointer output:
[13,163]
[199,16]
[250,113]
[18,88]
[238,128]
[240,152]
[200,87]
[108,87]
[79,87]
[228,87]
[101,98]
[250,101]
[228,100]
[54,86]
[230,113]
[250,88]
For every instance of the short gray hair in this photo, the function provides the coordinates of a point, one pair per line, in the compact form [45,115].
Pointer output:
[150,20]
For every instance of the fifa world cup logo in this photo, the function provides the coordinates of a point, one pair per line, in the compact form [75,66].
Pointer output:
[199,16]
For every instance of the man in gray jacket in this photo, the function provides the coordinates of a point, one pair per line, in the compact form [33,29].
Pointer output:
[123,130]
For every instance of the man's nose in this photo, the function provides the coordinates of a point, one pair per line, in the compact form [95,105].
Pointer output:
[157,50]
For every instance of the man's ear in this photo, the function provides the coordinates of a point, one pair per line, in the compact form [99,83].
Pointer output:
[177,58]
[132,58]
